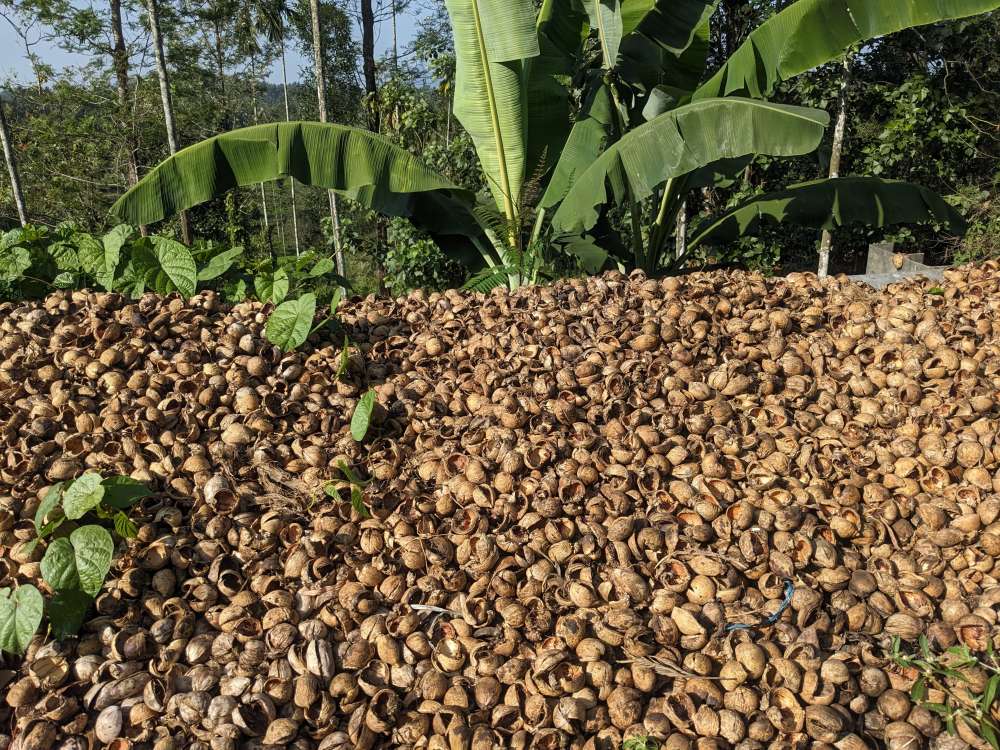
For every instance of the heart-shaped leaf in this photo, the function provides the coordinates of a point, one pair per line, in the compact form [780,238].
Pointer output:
[123,492]
[84,494]
[362,416]
[291,322]
[272,287]
[81,562]
[67,610]
[48,504]
[177,265]
[13,263]
[219,264]
[20,616]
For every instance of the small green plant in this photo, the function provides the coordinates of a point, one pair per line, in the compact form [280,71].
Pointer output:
[362,418]
[640,743]
[74,565]
[952,685]
[357,485]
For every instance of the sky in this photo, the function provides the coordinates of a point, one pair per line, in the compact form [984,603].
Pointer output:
[13,63]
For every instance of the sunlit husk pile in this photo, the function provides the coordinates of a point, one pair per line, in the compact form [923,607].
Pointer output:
[574,490]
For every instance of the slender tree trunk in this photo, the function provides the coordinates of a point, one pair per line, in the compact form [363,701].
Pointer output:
[317,35]
[220,71]
[166,98]
[395,41]
[288,118]
[374,122]
[256,119]
[838,149]
[680,238]
[119,55]
[15,178]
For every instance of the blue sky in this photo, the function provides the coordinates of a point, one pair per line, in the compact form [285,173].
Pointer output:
[13,63]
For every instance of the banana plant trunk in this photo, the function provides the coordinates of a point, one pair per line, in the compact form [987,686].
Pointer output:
[826,243]
[15,178]
[317,38]
[165,97]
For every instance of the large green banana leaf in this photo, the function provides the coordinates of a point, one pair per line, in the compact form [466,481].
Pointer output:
[353,162]
[684,140]
[493,38]
[585,143]
[606,19]
[666,43]
[827,204]
[811,32]
[562,30]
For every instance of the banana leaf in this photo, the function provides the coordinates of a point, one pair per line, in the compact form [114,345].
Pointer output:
[682,141]
[809,33]
[353,162]
[827,204]
[493,38]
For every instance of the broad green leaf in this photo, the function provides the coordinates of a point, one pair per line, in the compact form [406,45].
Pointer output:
[991,692]
[5,592]
[82,495]
[59,565]
[809,33]
[345,358]
[586,141]
[353,162]
[989,733]
[219,263]
[64,280]
[177,265]
[358,502]
[323,266]
[666,43]
[606,19]
[291,322]
[20,616]
[97,261]
[362,416]
[64,254]
[93,549]
[682,141]
[492,40]
[123,492]
[124,526]
[67,611]
[14,262]
[272,287]
[236,292]
[562,31]
[827,204]
[48,504]
[919,690]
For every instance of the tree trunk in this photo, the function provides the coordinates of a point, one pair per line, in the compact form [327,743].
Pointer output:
[256,119]
[374,122]
[166,99]
[680,238]
[835,154]
[15,178]
[317,35]
[288,118]
[119,55]
[220,71]
[395,41]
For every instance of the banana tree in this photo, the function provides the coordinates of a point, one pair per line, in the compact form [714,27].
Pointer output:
[644,133]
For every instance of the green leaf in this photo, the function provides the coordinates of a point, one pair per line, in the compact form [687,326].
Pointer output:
[924,645]
[67,611]
[919,690]
[290,323]
[93,549]
[48,504]
[124,526]
[59,565]
[177,269]
[362,416]
[353,162]
[606,18]
[272,287]
[827,204]
[323,266]
[990,694]
[349,474]
[989,733]
[358,502]
[100,259]
[20,616]
[5,592]
[682,141]
[219,263]
[939,708]
[492,39]
[123,492]
[13,263]
[345,358]
[64,280]
[82,495]
[809,33]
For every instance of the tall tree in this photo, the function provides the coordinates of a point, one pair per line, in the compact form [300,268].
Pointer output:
[15,178]
[119,56]
[374,121]
[166,98]
[835,155]
[317,36]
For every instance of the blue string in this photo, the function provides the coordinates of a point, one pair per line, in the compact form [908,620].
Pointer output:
[770,619]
